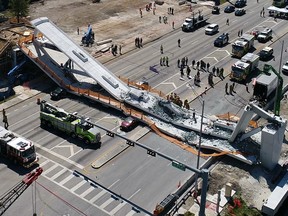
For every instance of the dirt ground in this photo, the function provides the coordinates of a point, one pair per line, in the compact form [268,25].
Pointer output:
[117,20]
[120,20]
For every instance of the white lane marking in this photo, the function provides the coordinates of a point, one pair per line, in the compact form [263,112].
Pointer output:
[65,146]
[101,193]
[68,178]
[113,183]
[134,193]
[107,202]
[17,123]
[169,83]
[42,138]
[117,208]
[58,174]
[132,212]
[85,193]
[43,163]
[59,156]
[45,172]
[81,183]
[67,189]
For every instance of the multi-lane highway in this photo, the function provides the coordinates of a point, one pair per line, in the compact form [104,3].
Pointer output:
[136,176]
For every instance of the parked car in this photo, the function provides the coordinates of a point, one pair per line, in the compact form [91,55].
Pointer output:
[58,93]
[128,124]
[255,32]
[266,53]
[221,40]
[240,3]
[215,10]
[265,35]
[211,29]
[240,12]
[285,68]
[229,9]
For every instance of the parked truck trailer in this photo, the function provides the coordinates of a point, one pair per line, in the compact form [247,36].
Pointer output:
[265,87]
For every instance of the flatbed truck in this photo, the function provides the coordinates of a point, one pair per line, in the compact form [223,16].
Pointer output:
[193,23]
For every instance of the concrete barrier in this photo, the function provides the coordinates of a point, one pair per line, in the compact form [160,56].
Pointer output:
[98,43]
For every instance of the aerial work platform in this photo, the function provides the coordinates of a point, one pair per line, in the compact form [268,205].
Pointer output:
[81,58]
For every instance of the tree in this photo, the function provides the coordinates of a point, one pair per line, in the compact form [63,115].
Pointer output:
[20,8]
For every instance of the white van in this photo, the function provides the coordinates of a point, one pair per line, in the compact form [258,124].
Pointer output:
[212,29]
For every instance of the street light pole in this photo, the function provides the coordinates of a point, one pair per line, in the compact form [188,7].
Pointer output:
[199,146]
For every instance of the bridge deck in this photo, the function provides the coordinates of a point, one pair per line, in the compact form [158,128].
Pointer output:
[81,58]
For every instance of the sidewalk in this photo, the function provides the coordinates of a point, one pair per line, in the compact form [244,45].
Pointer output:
[25,91]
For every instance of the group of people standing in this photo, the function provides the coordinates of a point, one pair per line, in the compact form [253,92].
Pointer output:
[164,61]
[138,42]
[174,98]
[115,48]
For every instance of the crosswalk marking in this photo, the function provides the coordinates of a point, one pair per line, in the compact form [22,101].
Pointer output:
[97,196]
[107,202]
[66,179]
[81,183]
[44,163]
[117,208]
[130,213]
[86,192]
[45,172]
[58,174]
[78,185]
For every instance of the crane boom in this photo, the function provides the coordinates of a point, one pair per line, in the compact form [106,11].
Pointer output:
[14,193]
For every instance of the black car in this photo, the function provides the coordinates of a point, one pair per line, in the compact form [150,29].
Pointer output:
[215,10]
[58,93]
[266,53]
[221,40]
[240,12]
[229,9]
[240,3]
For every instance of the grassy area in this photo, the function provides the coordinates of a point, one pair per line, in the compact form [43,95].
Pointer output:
[223,1]
[238,207]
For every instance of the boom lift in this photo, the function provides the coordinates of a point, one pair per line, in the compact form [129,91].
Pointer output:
[14,193]
[267,68]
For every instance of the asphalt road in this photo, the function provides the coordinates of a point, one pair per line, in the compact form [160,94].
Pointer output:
[142,179]
[134,175]
[196,45]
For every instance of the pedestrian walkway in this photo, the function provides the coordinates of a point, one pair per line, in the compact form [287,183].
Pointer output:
[96,195]
[26,91]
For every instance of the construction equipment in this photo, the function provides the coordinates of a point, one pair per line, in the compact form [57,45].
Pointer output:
[241,69]
[88,37]
[193,23]
[14,193]
[241,46]
[75,126]
[17,149]
[267,69]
